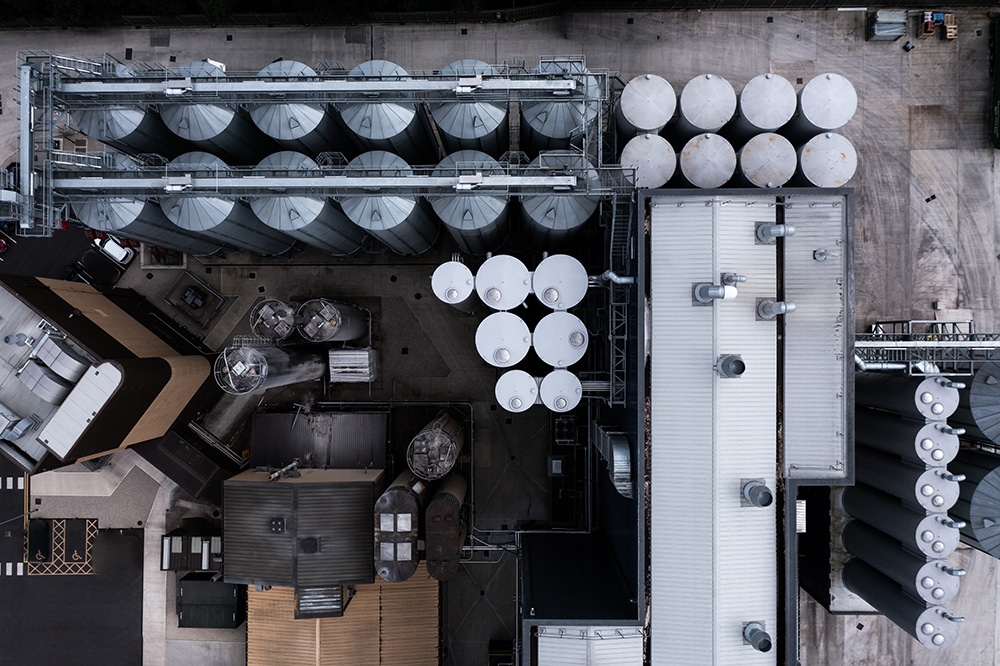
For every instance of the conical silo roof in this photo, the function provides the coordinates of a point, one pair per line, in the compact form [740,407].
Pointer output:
[562,119]
[286,122]
[197,122]
[476,221]
[112,122]
[378,120]
[473,119]
[286,213]
[556,215]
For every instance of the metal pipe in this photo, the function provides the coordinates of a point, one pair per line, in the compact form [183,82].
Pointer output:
[868,366]
[768,233]
[770,309]
[617,279]
[754,634]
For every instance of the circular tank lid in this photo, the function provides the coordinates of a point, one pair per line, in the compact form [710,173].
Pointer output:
[768,160]
[768,101]
[560,339]
[653,159]
[648,102]
[562,118]
[473,210]
[560,281]
[503,282]
[561,390]
[708,102]
[291,212]
[272,318]
[516,391]
[109,122]
[934,493]
[828,101]
[320,319]
[934,585]
[935,447]
[240,370]
[432,453]
[828,160]
[933,630]
[708,161]
[503,339]
[452,282]
[934,539]
[470,119]
[934,399]
[375,212]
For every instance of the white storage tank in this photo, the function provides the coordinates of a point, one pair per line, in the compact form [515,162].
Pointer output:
[477,222]
[707,103]
[503,282]
[399,221]
[560,281]
[560,339]
[516,391]
[827,160]
[503,339]
[708,161]
[320,320]
[653,159]
[315,221]
[219,129]
[767,160]
[562,121]
[454,284]
[471,124]
[647,104]
[766,103]
[391,126]
[826,103]
[225,220]
[561,391]
[309,128]
[551,220]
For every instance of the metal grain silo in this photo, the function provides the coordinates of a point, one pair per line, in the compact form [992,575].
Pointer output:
[706,104]
[979,504]
[315,221]
[272,319]
[130,129]
[767,160]
[931,581]
[503,282]
[928,489]
[242,370]
[399,221]
[219,129]
[931,398]
[560,339]
[827,160]
[320,320]
[503,339]
[560,122]
[471,124]
[560,390]
[392,126]
[932,535]
[434,450]
[979,405]
[397,525]
[646,104]
[454,284]
[477,222]
[142,221]
[653,159]
[708,161]
[516,391]
[226,220]
[446,527]
[826,103]
[766,103]
[560,281]
[551,220]
[299,126]
[932,444]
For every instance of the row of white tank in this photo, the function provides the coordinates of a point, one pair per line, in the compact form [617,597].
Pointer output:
[243,137]
[404,223]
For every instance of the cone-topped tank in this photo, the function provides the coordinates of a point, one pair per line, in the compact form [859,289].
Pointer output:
[979,405]
[979,503]
[767,160]
[303,127]
[551,221]
[454,284]
[646,104]
[559,123]
[477,222]
[392,126]
[653,159]
[708,161]
[766,103]
[320,320]
[446,527]
[707,102]
[826,103]
[560,281]
[242,370]
[471,124]
[272,319]
[227,221]
[142,221]
[399,221]
[219,129]
[434,450]
[397,527]
[314,221]
[827,160]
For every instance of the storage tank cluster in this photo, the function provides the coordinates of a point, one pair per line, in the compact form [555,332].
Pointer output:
[315,320]
[902,534]
[710,137]
[400,516]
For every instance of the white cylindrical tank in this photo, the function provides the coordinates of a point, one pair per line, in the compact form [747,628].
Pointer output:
[708,161]
[827,160]
[560,281]
[272,319]
[503,339]
[306,128]
[399,221]
[242,370]
[142,221]
[225,220]
[477,222]
[218,129]
[767,160]
[473,124]
[454,284]
[550,221]
[503,282]
[391,126]
[706,104]
[315,221]
[766,103]
[647,104]
[826,103]
[516,391]
[561,390]
[560,339]
[560,122]
[653,159]
[320,320]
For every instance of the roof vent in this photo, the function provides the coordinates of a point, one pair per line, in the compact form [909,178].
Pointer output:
[309,545]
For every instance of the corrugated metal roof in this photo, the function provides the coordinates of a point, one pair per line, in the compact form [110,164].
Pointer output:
[345,440]
[254,554]
[342,521]
[590,646]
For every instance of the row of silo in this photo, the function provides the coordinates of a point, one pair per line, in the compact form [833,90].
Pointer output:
[902,535]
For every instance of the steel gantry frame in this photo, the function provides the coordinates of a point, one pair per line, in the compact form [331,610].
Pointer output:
[925,347]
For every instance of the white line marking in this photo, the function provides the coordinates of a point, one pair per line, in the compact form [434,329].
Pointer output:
[20,568]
